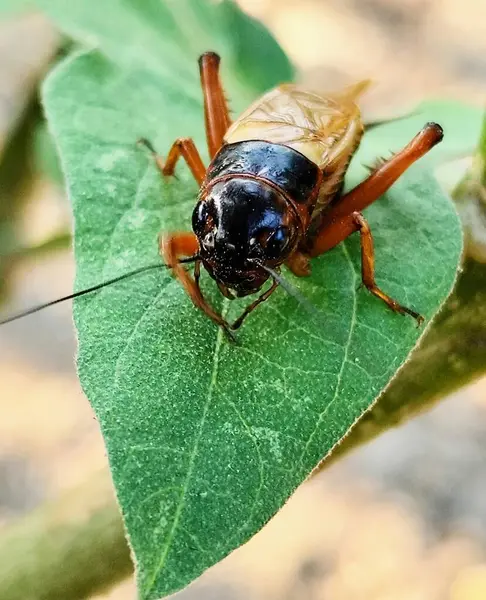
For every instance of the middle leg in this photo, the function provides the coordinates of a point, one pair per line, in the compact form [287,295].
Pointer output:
[251,307]
[182,147]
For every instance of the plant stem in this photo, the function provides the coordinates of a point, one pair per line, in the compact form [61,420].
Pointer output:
[66,550]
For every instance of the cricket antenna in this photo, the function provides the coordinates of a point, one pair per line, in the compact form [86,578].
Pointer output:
[94,288]
[292,291]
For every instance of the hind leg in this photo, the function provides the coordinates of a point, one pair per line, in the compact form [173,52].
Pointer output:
[368,270]
[339,222]
[217,121]
[216,114]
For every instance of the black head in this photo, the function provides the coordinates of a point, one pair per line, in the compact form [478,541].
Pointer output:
[241,222]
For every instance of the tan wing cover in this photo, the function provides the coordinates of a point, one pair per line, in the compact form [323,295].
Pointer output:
[325,129]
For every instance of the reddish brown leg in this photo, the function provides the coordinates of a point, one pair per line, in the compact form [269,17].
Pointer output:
[368,269]
[225,291]
[339,222]
[216,113]
[251,307]
[299,264]
[184,147]
[172,247]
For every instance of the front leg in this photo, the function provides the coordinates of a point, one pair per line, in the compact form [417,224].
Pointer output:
[172,247]
[251,307]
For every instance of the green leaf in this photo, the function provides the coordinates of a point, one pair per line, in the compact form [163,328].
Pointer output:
[461,126]
[167,37]
[207,440]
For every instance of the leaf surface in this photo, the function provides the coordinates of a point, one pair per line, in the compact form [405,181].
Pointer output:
[207,440]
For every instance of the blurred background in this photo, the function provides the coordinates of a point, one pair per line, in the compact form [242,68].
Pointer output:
[403,517]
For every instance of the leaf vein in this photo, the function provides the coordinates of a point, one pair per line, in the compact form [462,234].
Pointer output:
[192,459]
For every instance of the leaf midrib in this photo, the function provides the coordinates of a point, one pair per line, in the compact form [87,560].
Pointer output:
[192,459]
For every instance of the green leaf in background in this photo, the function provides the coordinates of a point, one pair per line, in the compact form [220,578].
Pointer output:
[45,154]
[166,36]
[207,440]
[461,130]
[14,7]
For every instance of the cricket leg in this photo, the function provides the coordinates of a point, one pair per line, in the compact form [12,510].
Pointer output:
[299,264]
[251,307]
[216,113]
[182,147]
[368,269]
[172,248]
[216,118]
[339,223]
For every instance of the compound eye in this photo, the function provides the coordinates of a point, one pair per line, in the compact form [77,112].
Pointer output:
[202,219]
[277,242]
[255,247]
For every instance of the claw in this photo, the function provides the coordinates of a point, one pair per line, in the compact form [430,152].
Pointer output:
[145,142]
[230,334]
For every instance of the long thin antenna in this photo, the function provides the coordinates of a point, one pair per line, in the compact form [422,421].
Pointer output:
[89,290]
[292,291]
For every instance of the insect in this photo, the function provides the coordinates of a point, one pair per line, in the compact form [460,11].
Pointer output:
[272,193]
